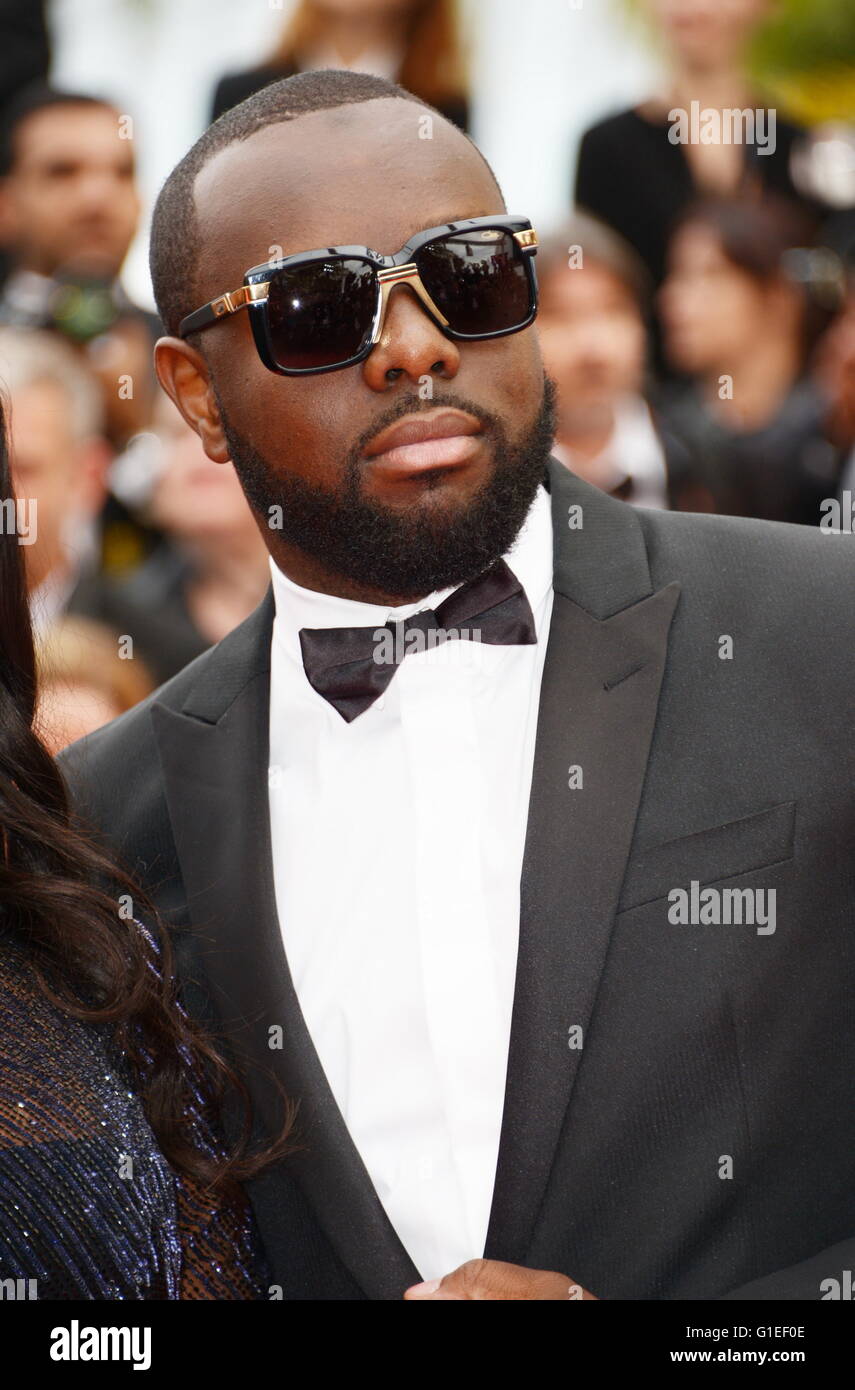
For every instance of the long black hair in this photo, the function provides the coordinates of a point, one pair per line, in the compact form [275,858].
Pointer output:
[59,902]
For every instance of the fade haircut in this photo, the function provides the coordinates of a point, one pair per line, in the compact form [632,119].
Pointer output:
[174,231]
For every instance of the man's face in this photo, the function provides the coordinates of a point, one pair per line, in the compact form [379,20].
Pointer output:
[194,500]
[46,467]
[354,524]
[593,340]
[708,33]
[711,309]
[70,201]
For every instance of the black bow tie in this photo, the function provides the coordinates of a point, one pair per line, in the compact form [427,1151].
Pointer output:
[352,666]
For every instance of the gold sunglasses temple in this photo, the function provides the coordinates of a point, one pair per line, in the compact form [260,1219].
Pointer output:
[233,300]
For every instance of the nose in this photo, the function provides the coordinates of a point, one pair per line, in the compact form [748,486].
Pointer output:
[96,185]
[409,343]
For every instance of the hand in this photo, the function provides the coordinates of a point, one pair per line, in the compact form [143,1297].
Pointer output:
[482,1279]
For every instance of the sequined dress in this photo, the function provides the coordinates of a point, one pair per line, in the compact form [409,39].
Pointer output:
[89,1208]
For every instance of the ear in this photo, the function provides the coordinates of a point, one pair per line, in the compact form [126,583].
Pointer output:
[183,374]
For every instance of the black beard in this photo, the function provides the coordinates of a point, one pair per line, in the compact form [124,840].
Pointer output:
[410,552]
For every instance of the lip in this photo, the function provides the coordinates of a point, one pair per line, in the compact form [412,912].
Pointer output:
[432,439]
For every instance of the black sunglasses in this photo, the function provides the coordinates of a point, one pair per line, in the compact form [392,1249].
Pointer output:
[318,311]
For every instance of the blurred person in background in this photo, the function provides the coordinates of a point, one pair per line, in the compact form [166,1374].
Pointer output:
[209,571]
[632,176]
[69,209]
[83,681]
[68,196]
[835,374]
[211,568]
[739,322]
[413,42]
[591,323]
[59,461]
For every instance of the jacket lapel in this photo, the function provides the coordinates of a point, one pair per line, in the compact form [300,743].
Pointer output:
[604,664]
[214,756]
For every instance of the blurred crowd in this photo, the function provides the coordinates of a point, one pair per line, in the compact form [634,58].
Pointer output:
[697,312]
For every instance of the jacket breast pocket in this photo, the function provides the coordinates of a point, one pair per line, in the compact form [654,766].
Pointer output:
[737,847]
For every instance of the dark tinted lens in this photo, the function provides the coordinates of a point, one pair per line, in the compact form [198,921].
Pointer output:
[478,280]
[320,313]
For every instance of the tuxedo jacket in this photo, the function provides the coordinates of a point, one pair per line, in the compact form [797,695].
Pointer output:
[679,1118]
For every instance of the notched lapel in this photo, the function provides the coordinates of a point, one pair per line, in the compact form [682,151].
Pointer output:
[604,666]
[214,756]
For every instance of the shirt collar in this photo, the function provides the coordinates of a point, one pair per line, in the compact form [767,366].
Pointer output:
[49,601]
[633,450]
[530,558]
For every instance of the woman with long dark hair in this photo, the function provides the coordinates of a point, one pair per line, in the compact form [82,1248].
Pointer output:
[112,1185]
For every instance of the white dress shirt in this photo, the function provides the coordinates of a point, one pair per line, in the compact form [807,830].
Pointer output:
[397,850]
[634,450]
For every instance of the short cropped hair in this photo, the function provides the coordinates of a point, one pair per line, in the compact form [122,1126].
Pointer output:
[175,233]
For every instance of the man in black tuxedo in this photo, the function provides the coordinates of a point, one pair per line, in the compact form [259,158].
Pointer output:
[605,1045]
